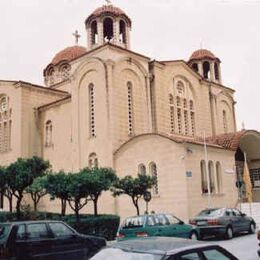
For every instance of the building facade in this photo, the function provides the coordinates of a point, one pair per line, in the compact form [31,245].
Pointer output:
[106,105]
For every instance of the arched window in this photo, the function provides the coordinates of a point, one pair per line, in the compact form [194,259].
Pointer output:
[93,160]
[172,117]
[108,29]
[65,70]
[224,115]
[212,177]
[5,124]
[218,177]
[141,169]
[153,172]
[195,67]
[180,89]
[48,133]
[92,111]
[192,118]
[94,32]
[122,31]
[130,108]
[206,69]
[216,71]
[204,183]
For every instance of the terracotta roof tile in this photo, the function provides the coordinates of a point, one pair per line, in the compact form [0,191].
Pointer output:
[69,54]
[108,9]
[202,54]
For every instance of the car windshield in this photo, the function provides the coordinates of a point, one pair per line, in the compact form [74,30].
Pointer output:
[118,254]
[133,222]
[210,213]
[4,231]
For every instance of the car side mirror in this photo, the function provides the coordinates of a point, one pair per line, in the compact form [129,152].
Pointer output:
[181,222]
[243,214]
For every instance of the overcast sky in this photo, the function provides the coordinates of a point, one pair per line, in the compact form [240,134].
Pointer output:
[33,31]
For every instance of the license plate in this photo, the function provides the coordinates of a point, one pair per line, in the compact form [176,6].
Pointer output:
[200,223]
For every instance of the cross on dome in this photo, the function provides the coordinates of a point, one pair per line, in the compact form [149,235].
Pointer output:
[77,36]
[109,2]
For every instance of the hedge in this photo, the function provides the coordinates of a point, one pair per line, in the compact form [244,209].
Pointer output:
[102,225]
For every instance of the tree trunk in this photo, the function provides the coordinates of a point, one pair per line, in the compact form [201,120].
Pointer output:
[10,199]
[135,201]
[18,207]
[63,207]
[35,205]
[95,201]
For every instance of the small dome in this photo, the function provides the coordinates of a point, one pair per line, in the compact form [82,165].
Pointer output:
[202,54]
[69,54]
[108,10]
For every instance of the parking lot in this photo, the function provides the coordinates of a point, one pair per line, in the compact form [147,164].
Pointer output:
[244,247]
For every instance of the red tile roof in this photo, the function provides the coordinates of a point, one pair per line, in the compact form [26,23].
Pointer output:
[69,54]
[108,10]
[202,54]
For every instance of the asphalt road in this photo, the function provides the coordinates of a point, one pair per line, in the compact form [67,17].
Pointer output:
[244,247]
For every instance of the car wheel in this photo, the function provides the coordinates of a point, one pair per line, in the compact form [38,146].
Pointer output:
[194,235]
[251,228]
[229,233]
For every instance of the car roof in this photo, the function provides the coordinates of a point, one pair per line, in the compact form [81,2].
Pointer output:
[158,245]
[31,222]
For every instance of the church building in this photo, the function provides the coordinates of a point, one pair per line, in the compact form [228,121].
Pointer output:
[105,105]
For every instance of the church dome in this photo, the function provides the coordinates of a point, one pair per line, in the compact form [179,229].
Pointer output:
[69,54]
[108,10]
[202,54]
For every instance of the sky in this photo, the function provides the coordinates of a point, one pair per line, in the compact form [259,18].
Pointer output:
[33,31]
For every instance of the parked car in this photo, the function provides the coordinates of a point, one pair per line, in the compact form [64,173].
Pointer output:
[223,222]
[45,240]
[163,248]
[155,225]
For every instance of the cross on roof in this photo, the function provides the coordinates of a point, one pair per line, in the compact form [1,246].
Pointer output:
[108,2]
[77,36]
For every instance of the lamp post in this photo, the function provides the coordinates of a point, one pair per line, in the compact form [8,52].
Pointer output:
[147,197]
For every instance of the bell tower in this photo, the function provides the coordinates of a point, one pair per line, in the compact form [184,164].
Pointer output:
[108,24]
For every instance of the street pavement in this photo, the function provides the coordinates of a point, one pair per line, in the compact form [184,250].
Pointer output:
[244,247]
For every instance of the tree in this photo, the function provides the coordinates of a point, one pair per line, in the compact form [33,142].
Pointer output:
[5,189]
[78,191]
[100,179]
[37,190]
[57,186]
[21,174]
[134,187]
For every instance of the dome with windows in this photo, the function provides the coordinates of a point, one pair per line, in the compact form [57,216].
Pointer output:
[106,10]
[202,54]
[69,54]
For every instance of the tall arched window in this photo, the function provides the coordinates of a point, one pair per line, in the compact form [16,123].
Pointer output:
[192,118]
[216,71]
[212,177]
[224,115]
[108,29]
[130,108]
[5,124]
[48,133]
[141,169]
[153,172]
[122,31]
[206,69]
[94,32]
[172,111]
[218,177]
[204,182]
[183,112]
[91,111]
[93,160]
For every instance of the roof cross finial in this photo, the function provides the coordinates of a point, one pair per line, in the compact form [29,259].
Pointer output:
[77,36]
[108,2]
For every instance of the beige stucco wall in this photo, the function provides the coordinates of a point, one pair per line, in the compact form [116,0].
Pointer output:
[178,194]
